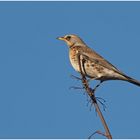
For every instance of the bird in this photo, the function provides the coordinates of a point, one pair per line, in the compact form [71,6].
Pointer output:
[93,65]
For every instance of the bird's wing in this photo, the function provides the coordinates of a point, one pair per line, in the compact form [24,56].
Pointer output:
[101,61]
[92,56]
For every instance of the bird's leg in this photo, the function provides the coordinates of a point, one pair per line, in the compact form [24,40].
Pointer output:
[97,86]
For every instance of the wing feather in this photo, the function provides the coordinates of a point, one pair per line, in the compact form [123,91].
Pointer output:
[92,56]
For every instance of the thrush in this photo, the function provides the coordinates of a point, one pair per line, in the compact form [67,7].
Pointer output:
[93,65]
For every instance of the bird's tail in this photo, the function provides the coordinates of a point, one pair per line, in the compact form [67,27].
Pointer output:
[133,81]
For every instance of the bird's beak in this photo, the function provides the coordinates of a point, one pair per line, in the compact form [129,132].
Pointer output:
[60,38]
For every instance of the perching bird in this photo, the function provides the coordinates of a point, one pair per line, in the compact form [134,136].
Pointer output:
[92,64]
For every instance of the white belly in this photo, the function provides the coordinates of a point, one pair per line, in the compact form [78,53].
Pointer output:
[74,64]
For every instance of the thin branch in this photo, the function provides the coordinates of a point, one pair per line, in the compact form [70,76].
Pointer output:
[91,94]
[97,132]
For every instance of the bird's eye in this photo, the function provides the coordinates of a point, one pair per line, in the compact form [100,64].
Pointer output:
[68,38]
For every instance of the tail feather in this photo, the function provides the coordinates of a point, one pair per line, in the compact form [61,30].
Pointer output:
[128,79]
[133,81]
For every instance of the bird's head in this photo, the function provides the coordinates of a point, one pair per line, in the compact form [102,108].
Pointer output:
[72,40]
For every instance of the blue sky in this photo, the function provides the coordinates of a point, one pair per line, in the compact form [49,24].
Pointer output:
[35,99]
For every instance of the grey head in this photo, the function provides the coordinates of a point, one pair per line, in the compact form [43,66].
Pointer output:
[72,40]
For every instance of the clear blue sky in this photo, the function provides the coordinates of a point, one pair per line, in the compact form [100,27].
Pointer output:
[35,99]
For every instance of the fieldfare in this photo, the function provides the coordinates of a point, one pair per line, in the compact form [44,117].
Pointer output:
[92,64]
